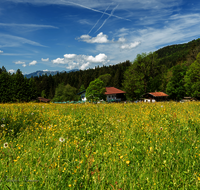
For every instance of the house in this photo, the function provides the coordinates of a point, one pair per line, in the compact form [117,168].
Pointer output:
[155,97]
[115,94]
[82,94]
[111,93]
[41,99]
[188,99]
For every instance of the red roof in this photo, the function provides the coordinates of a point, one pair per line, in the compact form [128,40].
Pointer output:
[157,94]
[113,90]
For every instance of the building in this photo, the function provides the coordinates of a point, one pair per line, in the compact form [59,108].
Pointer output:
[82,94]
[188,99]
[41,99]
[114,94]
[155,97]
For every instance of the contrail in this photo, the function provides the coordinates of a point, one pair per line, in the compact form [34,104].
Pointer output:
[107,18]
[95,10]
[99,19]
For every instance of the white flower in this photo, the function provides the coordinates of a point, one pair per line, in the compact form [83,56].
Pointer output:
[61,139]
[32,113]
[3,125]
[5,145]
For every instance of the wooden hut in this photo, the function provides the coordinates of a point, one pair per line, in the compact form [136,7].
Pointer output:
[114,94]
[155,97]
[41,99]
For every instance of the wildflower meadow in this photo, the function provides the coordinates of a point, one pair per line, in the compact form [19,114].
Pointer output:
[115,146]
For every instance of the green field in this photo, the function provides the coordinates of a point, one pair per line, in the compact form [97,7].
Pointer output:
[100,146]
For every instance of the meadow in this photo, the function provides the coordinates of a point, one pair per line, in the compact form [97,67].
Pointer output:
[100,146]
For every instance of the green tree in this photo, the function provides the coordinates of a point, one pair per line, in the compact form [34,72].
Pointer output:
[32,89]
[95,90]
[5,87]
[65,93]
[192,78]
[105,78]
[175,87]
[43,94]
[19,87]
[82,88]
[138,76]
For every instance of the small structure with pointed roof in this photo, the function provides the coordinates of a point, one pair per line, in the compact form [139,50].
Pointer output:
[155,97]
[114,94]
[82,94]
[111,93]
[41,99]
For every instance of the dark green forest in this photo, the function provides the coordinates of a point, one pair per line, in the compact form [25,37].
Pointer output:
[173,69]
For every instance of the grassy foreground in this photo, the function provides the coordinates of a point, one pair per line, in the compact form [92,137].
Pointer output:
[100,146]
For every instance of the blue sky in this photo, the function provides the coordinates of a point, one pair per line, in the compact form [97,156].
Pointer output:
[81,34]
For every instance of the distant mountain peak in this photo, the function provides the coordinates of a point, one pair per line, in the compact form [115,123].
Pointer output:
[40,73]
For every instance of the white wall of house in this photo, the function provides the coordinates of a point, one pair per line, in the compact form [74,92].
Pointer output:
[83,98]
[149,100]
[112,97]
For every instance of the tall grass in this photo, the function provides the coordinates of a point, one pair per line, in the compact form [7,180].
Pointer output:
[95,146]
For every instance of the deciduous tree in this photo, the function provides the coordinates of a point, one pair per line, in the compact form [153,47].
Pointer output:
[95,90]
[175,87]
[192,78]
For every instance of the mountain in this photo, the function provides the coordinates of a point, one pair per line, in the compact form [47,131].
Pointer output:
[40,73]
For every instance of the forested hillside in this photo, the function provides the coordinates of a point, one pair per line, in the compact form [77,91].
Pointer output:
[164,70]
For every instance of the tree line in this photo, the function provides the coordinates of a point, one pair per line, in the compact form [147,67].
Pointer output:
[173,69]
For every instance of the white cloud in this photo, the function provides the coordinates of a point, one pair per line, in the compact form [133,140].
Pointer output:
[59,61]
[180,30]
[98,5]
[1,52]
[121,40]
[100,38]
[103,38]
[45,70]
[130,46]
[101,58]
[72,61]
[84,66]
[47,59]
[15,41]
[19,62]
[11,71]
[26,25]
[70,56]
[84,21]
[32,63]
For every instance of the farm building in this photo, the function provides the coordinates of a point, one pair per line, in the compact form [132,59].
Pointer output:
[111,93]
[188,99]
[41,99]
[115,94]
[155,97]
[82,94]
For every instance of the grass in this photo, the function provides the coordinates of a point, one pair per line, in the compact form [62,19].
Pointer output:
[100,146]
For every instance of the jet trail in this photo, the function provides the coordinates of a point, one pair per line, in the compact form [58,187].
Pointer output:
[107,18]
[95,10]
[99,20]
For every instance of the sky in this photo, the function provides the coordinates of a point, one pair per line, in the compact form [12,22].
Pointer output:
[57,35]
